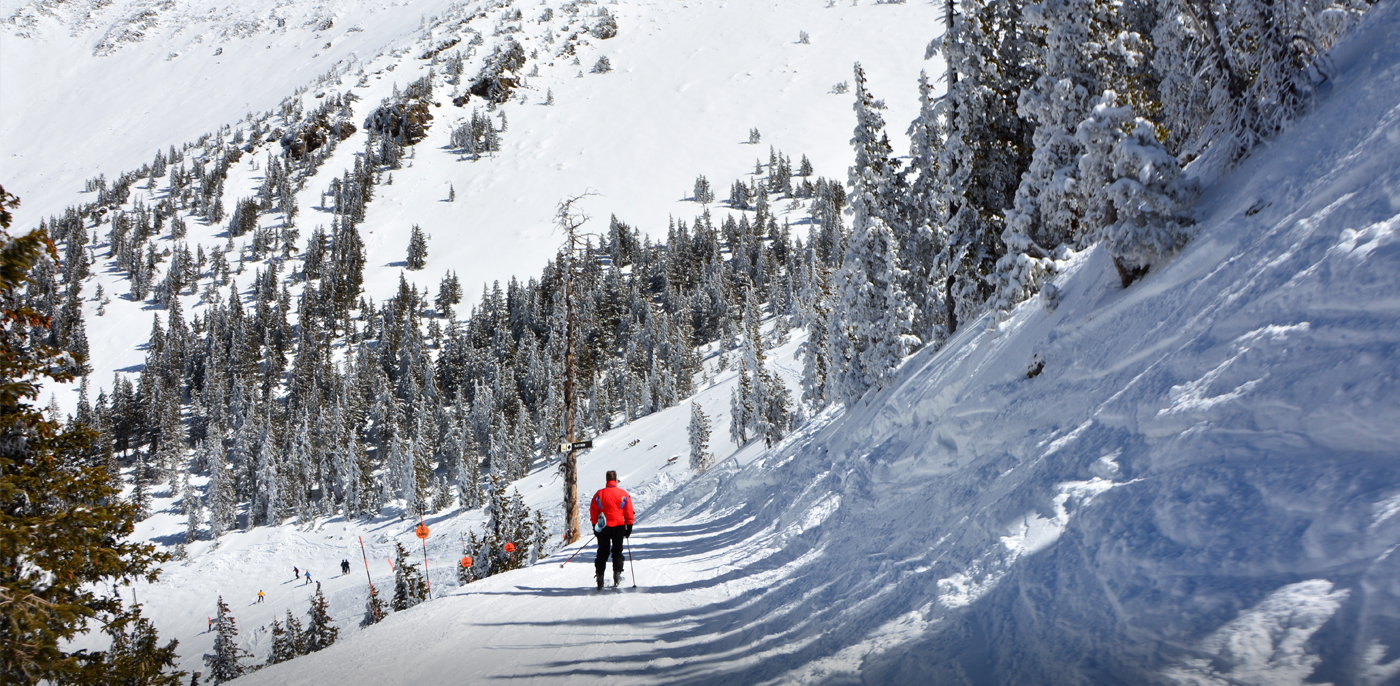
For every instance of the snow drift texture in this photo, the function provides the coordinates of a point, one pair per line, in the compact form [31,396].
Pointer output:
[1199,486]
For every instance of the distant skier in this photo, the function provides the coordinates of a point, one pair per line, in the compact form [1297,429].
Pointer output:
[344,567]
[295,573]
[260,596]
[615,506]
[308,578]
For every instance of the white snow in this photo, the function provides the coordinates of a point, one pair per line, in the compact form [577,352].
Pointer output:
[1199,488]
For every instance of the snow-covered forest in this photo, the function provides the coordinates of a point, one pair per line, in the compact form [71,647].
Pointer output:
[285,343]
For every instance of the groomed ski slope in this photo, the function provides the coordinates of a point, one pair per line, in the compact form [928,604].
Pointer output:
[1200,487]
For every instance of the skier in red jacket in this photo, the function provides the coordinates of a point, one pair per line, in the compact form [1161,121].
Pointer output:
[615,506]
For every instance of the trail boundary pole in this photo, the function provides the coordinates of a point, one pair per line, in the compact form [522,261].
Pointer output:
[367,576]
[422,533]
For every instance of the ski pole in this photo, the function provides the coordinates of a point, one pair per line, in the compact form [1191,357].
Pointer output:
[629,561]
[576,552]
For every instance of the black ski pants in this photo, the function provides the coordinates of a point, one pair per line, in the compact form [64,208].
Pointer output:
[610,544]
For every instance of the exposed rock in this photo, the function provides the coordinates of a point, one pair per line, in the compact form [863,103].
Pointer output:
[406,121]
[496,88]
[314,134]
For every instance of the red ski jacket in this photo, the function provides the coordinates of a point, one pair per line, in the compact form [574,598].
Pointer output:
[613,503]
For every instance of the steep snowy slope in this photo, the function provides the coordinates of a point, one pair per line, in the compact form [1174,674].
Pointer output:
[1198,487]
[120,80]
[689,82]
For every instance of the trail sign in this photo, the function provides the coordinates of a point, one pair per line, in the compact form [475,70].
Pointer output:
[576,445]
[421,531]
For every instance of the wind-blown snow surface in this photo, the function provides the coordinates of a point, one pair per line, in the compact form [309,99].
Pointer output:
[1201,487]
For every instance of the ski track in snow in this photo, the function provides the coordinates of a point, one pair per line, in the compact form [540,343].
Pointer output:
[1200,488]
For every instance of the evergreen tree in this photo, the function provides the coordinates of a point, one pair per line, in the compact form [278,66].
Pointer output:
[409,586]
[700,455]
[283,645]
[449,294]
[1047,209]
[702,193]
[417,249]
[223,499]
[1136,188]
[140,486]
[135,656]
[296,635]
[816,362]
[870,328]
[986,147]
[375,608]
[740,411]
[226,662]
[320,628]
[189,502]
[1236,72]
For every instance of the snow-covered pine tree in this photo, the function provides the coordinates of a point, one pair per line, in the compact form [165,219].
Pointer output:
[700,455]
[870,328]
[409,587]
[267,498]
[767,404]
[225,662]
[135,655]
[223,500]
[986,146]
[417,249]
[739,412]
[422,470]
[1047,205]
[816,362]
[320,628]
[1136,188]
[702,193]
[924,238]
[375,608]
[189,502]
[296,634]
[442,494]
[776,408]
[469,479]
[283,646]
[1236,72]
[140,486]
[400,463]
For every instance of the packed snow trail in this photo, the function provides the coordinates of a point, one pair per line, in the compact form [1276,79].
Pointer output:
[1199,487]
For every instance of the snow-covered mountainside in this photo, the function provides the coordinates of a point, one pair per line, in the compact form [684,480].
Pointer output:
[1199,487]
[689,82]
[1191,480]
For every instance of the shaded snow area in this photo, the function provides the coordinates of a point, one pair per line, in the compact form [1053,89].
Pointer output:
[1200,487]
